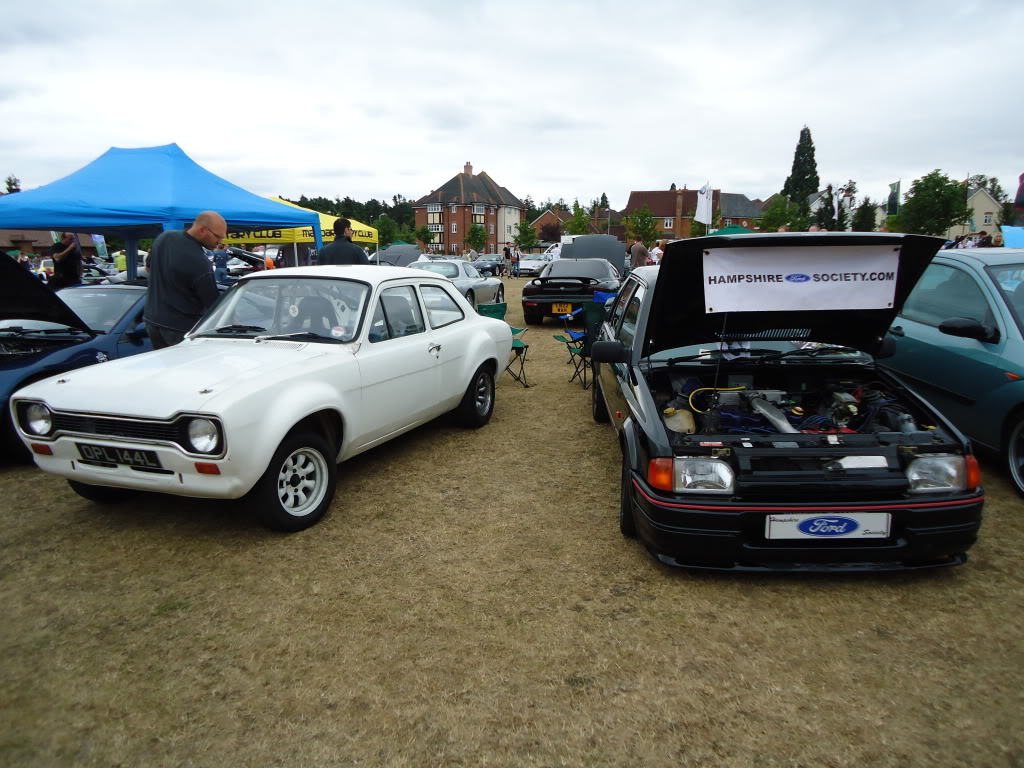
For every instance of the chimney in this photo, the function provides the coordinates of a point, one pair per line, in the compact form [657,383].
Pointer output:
[468,169]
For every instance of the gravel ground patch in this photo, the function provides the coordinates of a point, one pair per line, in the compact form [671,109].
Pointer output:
[468,601]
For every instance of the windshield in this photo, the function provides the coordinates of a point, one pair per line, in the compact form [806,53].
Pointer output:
[1010,279]
[598,268]
[308,307]
[440,267]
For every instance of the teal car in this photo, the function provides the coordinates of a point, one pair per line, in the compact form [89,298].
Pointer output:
[960,344]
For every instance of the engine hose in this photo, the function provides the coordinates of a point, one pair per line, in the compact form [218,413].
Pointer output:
[705,389]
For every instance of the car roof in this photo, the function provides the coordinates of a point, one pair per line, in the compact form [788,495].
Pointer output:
[986,255]
[367,273]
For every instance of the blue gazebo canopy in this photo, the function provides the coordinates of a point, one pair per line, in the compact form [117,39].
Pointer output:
[133,193]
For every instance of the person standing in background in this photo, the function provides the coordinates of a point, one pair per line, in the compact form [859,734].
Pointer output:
[342,250]
[67,263]
[221,255]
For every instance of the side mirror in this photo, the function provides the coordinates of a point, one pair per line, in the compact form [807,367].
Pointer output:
[138,332]
[968,328]
[609,352]
[887,348]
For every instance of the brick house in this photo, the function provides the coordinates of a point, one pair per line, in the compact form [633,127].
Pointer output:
[468,199]
[673,210]
[550,216]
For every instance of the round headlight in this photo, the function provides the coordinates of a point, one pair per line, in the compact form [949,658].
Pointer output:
[202,434]
[38,419]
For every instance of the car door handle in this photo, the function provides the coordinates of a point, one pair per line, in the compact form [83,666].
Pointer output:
[897,330]
[434,348]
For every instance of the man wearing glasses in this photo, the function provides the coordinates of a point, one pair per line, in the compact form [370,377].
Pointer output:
[181,285]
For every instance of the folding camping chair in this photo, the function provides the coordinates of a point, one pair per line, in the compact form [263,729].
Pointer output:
[593,319]
[516,366]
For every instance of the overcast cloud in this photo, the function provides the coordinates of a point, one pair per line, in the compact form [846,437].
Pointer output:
[560,99]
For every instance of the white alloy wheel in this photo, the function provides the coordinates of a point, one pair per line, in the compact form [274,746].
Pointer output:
[302,481]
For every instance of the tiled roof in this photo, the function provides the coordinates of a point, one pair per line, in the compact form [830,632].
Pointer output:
[556,212]
[736,206]
[467,188]
[661,203]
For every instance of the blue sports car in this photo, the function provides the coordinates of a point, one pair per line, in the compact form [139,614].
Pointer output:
[960,343]
[43,333]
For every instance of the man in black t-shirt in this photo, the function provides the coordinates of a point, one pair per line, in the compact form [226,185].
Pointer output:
[67,262]
[342,250]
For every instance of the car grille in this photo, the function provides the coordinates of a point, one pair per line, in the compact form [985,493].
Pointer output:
[130,428]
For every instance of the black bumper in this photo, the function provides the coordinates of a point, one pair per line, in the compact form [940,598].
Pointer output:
[544,303]
[730,536]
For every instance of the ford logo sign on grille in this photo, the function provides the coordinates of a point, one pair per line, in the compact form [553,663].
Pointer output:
[798,277]
[828,526]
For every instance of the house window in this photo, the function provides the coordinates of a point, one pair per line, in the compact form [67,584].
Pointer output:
[478,218]
[455,247]
[455,209]
[668,224]
[455,227]
[433,209]
[727,222]
[433,218]
[508,229]
[988,218]
[437,246]
[492,230]
[492,210]
[479,209]
[434,227]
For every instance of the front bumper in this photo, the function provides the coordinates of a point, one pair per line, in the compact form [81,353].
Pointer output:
[723,535]
[178,476]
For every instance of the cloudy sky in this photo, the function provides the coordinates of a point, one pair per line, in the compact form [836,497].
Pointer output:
[553,99]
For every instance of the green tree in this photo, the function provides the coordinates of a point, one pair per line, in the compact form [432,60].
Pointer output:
[1008,215]
[476,238]
[864,216]
[525,237]
[641,225]
[673,187]
[579,224]
[780,212]
[604,200]
[933,205]
[424,235]
[387,230]
[825,216]
[13,184]
[699,229]
[803,179]
[551,232]
[991,183]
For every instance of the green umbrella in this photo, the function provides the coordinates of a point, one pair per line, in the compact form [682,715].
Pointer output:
[732,229]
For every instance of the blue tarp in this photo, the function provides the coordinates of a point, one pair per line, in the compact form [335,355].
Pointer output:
[132,193]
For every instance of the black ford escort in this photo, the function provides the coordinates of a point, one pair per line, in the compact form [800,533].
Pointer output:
[757,432]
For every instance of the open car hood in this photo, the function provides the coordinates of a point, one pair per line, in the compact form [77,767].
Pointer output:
[836,288]
[24,297]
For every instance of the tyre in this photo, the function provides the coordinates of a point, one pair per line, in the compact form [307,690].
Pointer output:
[471,298]
[597,407]
[533,317]
[1014,451]
[478,403]
[627,523]
[102,494]
[298,486]
[499,295]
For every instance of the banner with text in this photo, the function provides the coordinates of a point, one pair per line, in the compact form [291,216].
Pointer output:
[798,279]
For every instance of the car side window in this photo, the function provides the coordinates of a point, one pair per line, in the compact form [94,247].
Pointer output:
[471,271]
[397,314]
[620,305]
[442,309]
[944,292]
[626,331]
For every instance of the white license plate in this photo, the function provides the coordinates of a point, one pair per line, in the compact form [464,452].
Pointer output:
[855,525]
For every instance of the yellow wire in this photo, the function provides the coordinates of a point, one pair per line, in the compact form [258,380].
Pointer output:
[704,389]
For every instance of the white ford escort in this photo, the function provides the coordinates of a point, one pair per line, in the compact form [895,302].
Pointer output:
[290,373]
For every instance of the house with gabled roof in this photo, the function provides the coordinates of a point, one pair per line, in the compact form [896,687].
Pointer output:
[673,209]
[464,200]
[984,210]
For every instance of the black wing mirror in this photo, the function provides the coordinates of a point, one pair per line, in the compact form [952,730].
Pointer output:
[969,328]
[138,332]
[609,352]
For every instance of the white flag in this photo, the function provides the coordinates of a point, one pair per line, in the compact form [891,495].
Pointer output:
[704,214]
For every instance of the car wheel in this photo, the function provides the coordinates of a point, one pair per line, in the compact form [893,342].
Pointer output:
[1015,451]
[298,486]
[478,403]
[102,494]
[533,317]
[471,298]
[499,295]
[597,407]
[627,523]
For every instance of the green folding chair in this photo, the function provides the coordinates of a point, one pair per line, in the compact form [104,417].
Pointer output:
[517,363]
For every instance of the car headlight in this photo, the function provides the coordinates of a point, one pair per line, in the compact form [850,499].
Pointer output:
[37,419]
[203,435]
[937,472]
[703,476]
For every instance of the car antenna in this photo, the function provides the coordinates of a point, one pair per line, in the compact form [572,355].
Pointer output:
[710,416]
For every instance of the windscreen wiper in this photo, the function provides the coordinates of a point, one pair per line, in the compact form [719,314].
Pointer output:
[298,335]
[810,351]
[240,329]
[21,331]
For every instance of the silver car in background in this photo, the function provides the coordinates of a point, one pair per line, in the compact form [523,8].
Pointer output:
[475,287]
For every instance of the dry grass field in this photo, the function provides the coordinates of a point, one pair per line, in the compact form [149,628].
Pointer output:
[470,602]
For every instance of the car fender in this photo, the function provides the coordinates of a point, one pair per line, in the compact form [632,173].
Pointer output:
[484,347]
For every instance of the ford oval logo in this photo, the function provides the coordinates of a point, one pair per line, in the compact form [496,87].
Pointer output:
[828,526]
[798,277]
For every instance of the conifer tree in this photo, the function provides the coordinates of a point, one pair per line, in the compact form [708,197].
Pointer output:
[803,179]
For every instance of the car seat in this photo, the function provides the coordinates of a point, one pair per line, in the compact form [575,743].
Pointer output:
[316,314]
[400,316]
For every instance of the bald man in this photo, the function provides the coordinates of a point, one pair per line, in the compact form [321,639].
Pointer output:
[181,284]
